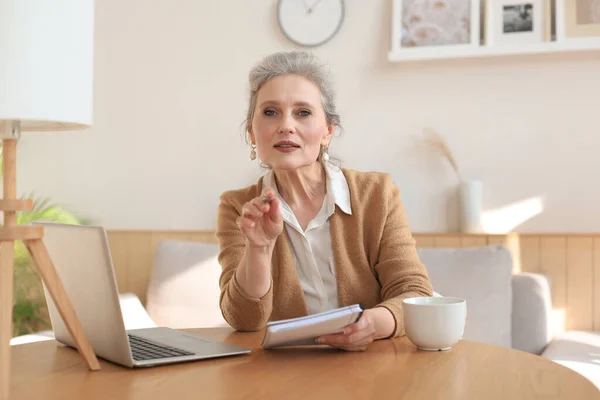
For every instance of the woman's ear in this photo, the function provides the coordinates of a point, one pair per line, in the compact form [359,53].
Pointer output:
[327,136]
[251,135]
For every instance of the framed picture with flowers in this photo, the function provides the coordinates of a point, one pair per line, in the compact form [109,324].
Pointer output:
[434,23]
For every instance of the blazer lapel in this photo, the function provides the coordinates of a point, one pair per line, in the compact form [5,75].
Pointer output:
[340,259]
[289,295]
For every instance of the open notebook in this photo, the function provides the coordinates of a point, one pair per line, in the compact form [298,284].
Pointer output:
[304,330]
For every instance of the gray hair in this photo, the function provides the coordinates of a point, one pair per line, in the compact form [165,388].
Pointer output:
[293,63]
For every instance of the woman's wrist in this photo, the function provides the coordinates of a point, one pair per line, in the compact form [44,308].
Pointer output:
[260,250]
[254,272]
[385,323]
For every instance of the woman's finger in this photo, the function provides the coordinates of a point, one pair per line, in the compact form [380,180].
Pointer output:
[251,210]
[364,322]
[268,193]
[354,333]
[274,212]
[342,340]
[261,203]
[266,196]
[358,346]
[245,223]
[357,337]
[363,343]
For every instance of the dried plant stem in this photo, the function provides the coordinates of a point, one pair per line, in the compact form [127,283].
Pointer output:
[434,141]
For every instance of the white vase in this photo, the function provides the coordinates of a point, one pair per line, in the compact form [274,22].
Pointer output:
[470,203]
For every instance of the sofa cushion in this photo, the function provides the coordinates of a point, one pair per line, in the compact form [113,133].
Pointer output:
[579,351]
[532,307]
[481,276]
[184,286]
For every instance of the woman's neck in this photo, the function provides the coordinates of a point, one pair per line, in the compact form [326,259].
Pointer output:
[303,185]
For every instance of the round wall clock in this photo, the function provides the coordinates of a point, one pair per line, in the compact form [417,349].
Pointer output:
[310,23]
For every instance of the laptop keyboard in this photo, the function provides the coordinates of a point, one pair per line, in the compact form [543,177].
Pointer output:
[144,349]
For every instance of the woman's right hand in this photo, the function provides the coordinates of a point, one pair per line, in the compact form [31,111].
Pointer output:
[261,221]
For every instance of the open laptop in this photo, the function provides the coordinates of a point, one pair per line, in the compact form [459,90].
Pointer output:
[81,256]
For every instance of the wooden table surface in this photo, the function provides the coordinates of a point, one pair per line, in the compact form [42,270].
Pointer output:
[389,369]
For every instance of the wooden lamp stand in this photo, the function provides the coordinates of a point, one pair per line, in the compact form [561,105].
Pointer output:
[32,237]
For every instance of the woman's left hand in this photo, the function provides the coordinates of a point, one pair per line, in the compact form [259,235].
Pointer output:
[356,337]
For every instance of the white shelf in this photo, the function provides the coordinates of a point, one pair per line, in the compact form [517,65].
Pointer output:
[466,51]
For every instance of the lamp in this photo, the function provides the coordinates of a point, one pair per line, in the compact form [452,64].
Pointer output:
[46,84]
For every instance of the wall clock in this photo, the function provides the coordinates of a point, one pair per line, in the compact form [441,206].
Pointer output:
[310,23]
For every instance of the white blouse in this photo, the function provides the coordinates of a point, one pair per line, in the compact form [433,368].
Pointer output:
[311,249]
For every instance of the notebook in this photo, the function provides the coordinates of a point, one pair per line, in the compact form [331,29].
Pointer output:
[303,331]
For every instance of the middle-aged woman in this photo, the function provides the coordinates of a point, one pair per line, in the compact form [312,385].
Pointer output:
[309,236]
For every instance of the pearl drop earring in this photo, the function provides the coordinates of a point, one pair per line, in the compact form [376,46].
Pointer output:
[325,155]
[253,153]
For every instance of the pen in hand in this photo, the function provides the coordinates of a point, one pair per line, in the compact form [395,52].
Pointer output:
[266,199]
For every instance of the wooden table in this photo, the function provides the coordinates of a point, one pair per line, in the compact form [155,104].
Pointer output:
[389,369]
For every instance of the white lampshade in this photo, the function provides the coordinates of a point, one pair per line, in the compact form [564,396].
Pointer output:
[46,63]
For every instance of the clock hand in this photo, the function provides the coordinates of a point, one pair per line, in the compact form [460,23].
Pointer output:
[308,9]
[314,6]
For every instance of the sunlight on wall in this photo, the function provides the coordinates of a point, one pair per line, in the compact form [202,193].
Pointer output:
[507,218]
[513,243]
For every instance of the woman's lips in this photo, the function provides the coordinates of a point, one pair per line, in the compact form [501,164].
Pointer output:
[286,146]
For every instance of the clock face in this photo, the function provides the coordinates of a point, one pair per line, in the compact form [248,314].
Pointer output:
[310,22]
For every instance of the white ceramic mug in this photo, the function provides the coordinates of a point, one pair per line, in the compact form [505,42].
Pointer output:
[434,323]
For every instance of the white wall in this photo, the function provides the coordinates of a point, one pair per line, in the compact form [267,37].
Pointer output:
[170,97]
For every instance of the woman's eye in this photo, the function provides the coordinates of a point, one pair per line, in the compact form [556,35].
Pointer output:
[304,113]
[269,112]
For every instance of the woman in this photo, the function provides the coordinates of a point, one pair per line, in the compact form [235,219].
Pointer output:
[309,237]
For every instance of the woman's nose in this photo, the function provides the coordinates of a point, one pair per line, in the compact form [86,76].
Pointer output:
[287,125]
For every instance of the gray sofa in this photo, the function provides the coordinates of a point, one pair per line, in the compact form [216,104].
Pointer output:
[509,310]
[502,309]
[183,292]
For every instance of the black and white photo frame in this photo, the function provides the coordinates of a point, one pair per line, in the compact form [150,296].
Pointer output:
[517,22]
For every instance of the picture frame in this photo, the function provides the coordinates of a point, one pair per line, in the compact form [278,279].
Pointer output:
[428,25]
[517,22]
[579,18]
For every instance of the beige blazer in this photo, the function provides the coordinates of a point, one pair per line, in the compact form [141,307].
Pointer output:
[374,252]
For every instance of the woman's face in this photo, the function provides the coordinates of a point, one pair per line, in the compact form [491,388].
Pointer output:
[289,124]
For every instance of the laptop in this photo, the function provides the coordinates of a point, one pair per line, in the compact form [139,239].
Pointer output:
[81,256]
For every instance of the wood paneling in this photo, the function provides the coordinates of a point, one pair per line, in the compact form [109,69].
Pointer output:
[553,263]
[425,240]
[530,254]
[447,241]
[496,239]
[570,261]
[473,241]
[580,298]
